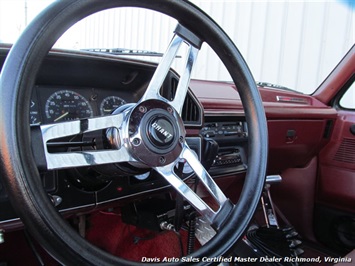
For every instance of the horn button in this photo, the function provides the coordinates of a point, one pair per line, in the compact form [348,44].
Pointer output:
[160,132]
[156,133]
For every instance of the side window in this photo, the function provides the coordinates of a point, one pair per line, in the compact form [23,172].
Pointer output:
[347,101]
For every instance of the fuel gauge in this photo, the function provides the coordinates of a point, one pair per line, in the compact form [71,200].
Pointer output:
[110,103]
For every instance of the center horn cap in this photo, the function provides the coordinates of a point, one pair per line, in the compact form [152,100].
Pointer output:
[161,132]
[156,133]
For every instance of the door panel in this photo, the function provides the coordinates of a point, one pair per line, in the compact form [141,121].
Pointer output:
[335,198]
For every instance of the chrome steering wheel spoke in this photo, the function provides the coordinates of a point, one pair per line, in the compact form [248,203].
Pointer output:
[169,173]
[62,160]
[184,80]
[182,35]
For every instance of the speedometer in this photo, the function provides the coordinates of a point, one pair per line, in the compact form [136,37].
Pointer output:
[110,103]
[66,105]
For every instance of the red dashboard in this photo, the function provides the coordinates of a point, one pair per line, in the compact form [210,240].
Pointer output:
[299,125]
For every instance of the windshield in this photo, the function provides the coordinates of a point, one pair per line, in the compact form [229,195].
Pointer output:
[294,44]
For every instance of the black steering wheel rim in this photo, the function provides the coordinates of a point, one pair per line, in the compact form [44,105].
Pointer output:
[18,167]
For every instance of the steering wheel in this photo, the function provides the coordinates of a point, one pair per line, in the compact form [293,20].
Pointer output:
[149,133]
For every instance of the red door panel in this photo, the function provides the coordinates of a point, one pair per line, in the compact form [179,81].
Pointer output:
[335,198]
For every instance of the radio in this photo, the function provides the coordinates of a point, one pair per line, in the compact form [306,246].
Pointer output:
[225,130]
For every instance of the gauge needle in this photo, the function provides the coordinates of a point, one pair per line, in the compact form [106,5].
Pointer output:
[60,117]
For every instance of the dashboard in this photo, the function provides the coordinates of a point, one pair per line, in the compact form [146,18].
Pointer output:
[75,85]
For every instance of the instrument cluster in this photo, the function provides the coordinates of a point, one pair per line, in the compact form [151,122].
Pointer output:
[51,104]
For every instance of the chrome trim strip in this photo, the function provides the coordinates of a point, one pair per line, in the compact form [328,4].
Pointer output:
[99,203]
[92,206]
[287,99]
[10,221]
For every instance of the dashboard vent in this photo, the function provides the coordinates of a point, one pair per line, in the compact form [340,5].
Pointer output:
[192,110]
[173,87]
[346,151]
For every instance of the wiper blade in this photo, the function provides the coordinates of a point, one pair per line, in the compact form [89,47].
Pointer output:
[125,51]
[274,86]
